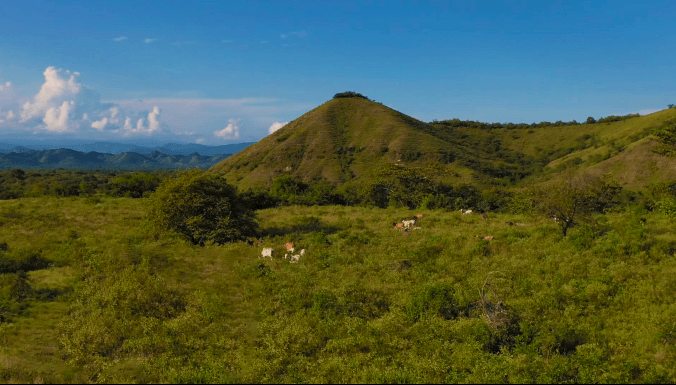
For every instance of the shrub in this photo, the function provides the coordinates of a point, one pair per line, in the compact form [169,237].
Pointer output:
[202,207]
[573,199]
[433,300]
[349,94]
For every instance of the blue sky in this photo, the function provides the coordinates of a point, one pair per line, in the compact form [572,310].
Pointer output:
[223,72]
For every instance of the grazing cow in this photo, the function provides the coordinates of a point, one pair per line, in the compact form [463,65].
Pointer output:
[418,215]
[267,252]
[408,224]
[295,258]
[289,246]
[466,211]
[399,225]
[488,237]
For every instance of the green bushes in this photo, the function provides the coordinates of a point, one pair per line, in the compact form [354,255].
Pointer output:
[434,300]
[203,208]
[134,185]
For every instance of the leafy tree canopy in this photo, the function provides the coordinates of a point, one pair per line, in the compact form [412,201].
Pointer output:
[202,207]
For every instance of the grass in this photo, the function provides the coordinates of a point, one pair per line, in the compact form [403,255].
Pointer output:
[366,303]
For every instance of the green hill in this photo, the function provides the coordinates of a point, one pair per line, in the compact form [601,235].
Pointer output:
[349,139]
[346,139]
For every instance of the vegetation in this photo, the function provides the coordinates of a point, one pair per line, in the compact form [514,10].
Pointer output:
[203,208]
[157,277]
[110,298]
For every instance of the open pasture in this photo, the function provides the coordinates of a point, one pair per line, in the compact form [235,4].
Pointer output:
[108,298]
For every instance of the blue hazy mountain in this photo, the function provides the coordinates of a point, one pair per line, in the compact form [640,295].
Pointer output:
[117,148]
[67,158]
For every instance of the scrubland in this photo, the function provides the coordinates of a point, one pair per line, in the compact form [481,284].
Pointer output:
[91,292]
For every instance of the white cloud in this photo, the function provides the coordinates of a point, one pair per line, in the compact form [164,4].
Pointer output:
[53,92]
[100,124]
[231,131]
[283,36]
[56,120]
[6,86]
[276,126]
[149,40]
[120,38]
[199,140]
[10,115]
[264,42]
[85,116]
[128,129]
[153,122]
[647,112]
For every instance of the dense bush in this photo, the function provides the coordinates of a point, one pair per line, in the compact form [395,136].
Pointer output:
[434,300]
[202,207]
[349,94]
[134,185]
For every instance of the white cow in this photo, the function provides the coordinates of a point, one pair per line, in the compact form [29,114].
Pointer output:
[408,224]
[466,211]
[267,252]
[296,258]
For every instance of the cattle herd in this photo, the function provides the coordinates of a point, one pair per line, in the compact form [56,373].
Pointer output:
[269,252]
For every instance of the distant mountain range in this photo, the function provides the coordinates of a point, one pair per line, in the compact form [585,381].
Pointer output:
[67,158]
[185,149]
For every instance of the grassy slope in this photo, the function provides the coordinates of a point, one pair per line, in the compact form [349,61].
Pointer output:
[341,140]
[592,308]
[622,149]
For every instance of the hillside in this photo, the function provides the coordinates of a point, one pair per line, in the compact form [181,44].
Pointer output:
[621,149]
[347,139]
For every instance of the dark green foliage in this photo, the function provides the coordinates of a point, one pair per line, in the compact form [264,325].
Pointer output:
[591,120]
[615,118]
[134,185]
[433,300]
[22,261]
[259,199]
[349,94]
[14,290]
[291,191]
[203,207]
[64,183]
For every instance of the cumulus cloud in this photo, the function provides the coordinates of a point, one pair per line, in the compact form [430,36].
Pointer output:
[56,120]
[56,90]
[64,105]
[120,38]
[100,124]
[231,131]
[276,126]
[128,129]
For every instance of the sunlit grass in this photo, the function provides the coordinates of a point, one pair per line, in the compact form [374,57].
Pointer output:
[596,306]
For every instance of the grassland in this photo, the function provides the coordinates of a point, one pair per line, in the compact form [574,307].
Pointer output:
[123,302]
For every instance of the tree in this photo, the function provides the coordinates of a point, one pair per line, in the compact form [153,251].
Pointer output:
[591,120]
[202,207]
[670,106]
[574,199]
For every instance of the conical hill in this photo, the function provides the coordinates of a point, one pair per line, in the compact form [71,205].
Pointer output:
[340,141]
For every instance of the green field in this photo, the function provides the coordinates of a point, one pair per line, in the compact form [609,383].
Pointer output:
[110,299]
